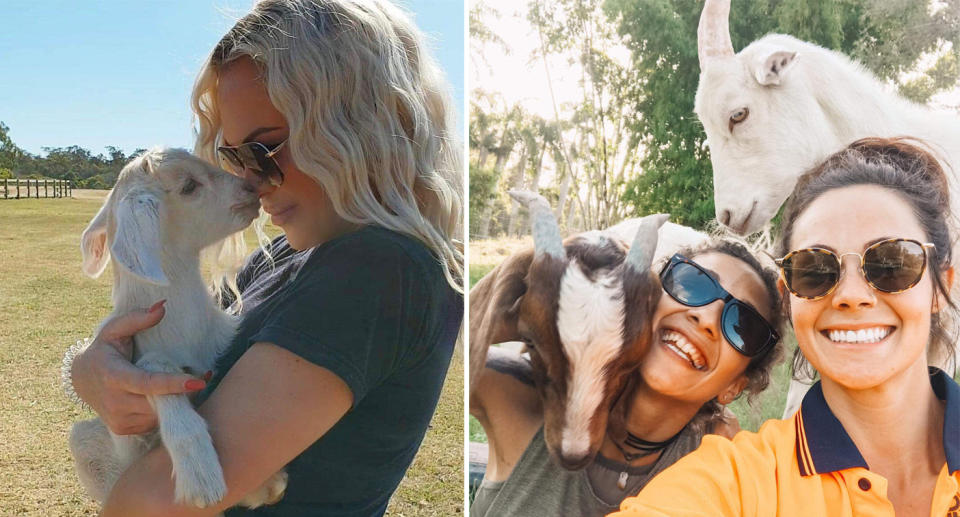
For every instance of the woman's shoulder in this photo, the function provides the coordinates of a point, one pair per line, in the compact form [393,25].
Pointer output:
[379,243]
[375,252]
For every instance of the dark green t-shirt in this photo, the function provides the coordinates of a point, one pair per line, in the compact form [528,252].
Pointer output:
[374,308]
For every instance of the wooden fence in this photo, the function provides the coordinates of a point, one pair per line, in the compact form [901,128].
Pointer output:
[26,188]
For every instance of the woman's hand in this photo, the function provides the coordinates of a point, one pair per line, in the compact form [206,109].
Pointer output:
[104,377]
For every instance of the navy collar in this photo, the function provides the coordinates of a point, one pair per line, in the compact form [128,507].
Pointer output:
[823,445]
[948,391]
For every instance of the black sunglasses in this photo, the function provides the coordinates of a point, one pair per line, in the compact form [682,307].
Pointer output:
[890,266]
[743,327]
[256,157]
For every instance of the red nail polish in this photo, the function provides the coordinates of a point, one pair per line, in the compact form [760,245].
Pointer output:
[194,385]
[155,307]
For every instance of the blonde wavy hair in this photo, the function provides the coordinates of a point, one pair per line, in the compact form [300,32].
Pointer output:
[369,111]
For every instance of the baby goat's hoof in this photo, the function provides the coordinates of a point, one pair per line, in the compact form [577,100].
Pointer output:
[269,492]
[275,487]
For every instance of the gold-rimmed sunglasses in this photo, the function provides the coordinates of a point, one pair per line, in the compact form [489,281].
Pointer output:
[890,266]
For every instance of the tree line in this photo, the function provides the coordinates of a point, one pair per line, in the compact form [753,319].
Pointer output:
[631,144]
[83,168]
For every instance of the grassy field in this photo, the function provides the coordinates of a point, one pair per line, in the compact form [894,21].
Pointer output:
[46,303]
[486,254]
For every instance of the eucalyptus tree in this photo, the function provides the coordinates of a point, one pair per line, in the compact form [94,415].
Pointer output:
[597,148]
[496,132]
[10,154]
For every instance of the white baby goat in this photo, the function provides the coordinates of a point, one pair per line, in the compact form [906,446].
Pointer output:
[166,207]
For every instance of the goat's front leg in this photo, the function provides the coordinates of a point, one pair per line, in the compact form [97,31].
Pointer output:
[198,476]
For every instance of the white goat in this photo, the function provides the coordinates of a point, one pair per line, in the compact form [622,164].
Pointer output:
[780,107]
[671,237]
[166,207]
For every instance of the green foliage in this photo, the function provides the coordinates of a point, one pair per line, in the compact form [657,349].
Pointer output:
[73,163]
[478,271]
[480,30]
[508,147]
[888,37]
[5,173]
[99,182]
[10,154]
[941,75]
[676,172]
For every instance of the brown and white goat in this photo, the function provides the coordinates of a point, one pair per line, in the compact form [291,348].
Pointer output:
[583,308]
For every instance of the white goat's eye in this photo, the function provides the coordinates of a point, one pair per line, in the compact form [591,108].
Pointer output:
[738,116]
[189,187]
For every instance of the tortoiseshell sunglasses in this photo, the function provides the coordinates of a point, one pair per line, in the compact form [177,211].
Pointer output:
[890,266]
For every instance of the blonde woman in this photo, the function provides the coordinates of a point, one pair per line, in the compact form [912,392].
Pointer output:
[335,113]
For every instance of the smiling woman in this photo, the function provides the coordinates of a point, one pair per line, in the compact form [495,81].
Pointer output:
[712,336]
[880,434]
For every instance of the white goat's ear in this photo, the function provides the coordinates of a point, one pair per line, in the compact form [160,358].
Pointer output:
[93,242]
[146,163]
[771,70]
[136,242]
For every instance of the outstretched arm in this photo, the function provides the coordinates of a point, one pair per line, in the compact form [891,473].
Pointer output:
[507,405]
[255,436]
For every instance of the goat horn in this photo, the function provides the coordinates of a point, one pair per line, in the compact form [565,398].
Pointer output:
[546,233]
[644,244]
[713,33]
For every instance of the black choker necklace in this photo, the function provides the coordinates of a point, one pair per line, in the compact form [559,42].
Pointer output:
[635,442]
[644,448]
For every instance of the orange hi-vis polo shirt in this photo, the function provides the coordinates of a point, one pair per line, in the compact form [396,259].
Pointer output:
[803,466]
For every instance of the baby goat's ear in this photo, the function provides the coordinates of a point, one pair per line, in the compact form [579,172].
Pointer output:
[93,243]
[136,242]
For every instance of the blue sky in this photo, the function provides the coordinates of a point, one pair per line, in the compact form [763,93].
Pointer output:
[98,73]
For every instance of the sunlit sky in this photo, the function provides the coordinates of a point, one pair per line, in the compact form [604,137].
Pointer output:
[499,71]
[119,72]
